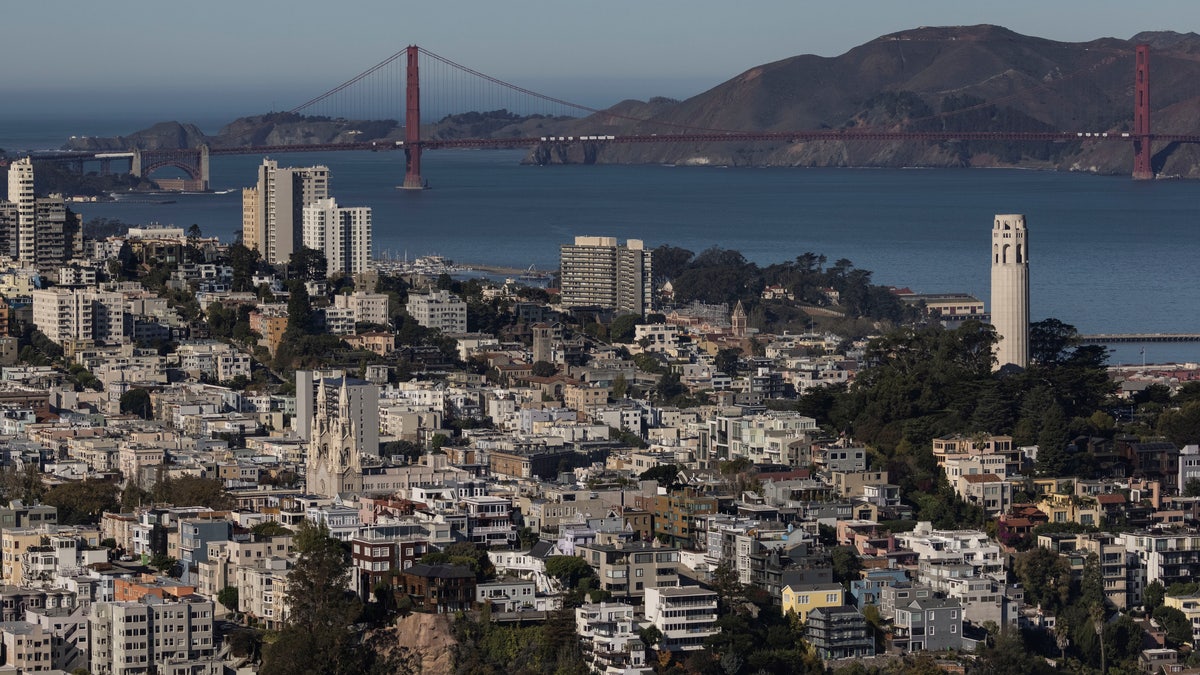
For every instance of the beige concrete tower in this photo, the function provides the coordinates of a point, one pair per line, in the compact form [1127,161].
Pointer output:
[20,192]
[1010,289]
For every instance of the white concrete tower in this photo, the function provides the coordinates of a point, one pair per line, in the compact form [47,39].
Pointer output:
[1010,289]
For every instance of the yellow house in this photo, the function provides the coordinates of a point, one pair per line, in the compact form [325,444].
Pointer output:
[1190,606]
[804,598]
[1070,508]
[15,542]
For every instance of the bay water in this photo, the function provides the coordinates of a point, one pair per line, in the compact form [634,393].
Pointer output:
[1107,254]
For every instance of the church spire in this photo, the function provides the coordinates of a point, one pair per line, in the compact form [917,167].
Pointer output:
[738,320]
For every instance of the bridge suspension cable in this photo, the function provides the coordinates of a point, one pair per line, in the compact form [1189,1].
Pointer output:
[351,82]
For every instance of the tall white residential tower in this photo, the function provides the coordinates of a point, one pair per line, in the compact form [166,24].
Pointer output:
[20,192]
[1010,289]
[343,234]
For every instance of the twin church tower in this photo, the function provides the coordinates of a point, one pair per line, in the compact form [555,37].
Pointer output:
[1010,289]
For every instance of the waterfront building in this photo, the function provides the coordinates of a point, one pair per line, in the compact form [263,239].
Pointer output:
[1010,290]
[343,234]
[272,211]
[597,272]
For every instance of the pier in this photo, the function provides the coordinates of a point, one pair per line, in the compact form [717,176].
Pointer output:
[1117,338]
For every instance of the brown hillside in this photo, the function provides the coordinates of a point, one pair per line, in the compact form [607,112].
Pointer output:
[911,79]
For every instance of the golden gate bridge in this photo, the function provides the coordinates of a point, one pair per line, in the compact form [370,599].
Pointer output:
[373,94]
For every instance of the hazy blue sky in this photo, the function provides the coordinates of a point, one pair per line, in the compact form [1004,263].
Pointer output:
[260,54]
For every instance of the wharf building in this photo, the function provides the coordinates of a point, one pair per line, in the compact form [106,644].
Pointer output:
[598,272]
[1010,289]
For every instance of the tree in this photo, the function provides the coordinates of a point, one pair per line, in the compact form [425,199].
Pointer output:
[308,264]
[193,232]
[82,502]
[1182,425]
[727,361]
[1192,488]
[1176,623]
[270,528]
[620,387]
[846,564]
[1046,577]
[622,328]
[669,262]
[193,491]
[21,480]
[244,263]
[318,637]
[228,597]
[1049,341]
[163,563]
[543,369]
[568,569]
[136,401]
[667,475]
[1152,596]
[300,312]
[731,594]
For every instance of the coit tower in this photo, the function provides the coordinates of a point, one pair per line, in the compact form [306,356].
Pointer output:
[1010,289]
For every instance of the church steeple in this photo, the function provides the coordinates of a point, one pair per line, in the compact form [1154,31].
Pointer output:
[738,320]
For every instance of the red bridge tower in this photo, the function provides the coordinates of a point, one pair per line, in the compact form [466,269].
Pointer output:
[1142,169]
[412,124]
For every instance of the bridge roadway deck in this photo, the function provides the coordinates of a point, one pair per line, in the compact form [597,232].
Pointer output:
[685,137]
[1115,338]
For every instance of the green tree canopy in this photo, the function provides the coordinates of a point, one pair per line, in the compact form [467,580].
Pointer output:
[136,401]
[193,491]
[308,264]
[82,502]
[317,637]
[568,569]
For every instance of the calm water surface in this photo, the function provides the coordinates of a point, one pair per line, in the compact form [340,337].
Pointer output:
[1106,254]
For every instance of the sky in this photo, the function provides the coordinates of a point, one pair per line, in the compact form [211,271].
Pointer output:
[234,57]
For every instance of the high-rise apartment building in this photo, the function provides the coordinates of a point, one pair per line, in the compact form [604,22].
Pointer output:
[1010,289]
[597,272]
[83,315]
[251,217]
[20,192]
[58,232]
[343,234]
[9,222]
[273,218]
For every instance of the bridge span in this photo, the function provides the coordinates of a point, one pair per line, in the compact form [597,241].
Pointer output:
[194,162]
